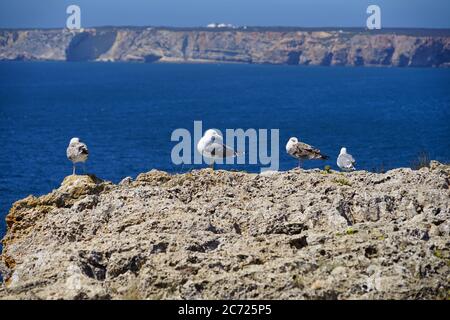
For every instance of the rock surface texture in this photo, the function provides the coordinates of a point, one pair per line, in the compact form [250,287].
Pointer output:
[348,47]
[229,235]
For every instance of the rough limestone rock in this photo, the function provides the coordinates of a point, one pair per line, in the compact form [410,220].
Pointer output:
[229,235]
[293,46]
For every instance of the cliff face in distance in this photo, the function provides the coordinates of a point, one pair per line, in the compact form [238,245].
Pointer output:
[228,235]
[326,47]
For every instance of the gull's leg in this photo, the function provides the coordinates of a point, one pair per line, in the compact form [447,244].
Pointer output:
[300,163]
[212,165]
[73,172]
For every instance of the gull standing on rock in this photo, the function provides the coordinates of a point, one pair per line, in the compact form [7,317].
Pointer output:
[303,151]
[211,146]
[345,161]
[77,152]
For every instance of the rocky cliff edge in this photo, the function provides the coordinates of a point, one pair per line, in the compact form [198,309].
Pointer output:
[218,234]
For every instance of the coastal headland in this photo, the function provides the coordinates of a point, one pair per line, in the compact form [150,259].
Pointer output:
[256,45]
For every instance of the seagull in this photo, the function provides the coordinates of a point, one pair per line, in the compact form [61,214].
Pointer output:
[211,146]
[345,161]
[77,152]
[303,151]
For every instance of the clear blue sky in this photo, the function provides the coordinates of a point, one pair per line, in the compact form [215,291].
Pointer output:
[304,13]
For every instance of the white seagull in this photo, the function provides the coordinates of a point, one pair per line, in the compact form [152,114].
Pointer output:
[303,151]
[345,161]
[211,146]
[77,152]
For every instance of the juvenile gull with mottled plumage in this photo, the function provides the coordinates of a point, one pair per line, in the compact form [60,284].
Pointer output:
[77,152]
[303,151]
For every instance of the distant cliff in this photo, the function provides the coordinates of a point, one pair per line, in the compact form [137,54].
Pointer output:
[327,47]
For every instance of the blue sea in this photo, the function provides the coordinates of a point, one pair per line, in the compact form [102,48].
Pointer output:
[127,112]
